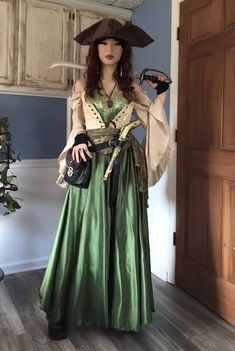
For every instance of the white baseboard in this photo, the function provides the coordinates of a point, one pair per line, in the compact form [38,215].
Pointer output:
[35,163]
[24,266]
[161,272]
[34,264]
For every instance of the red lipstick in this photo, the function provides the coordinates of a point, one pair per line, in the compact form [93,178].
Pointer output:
[109,57]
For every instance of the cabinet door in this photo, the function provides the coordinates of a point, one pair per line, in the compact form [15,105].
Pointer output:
[83,19]
[43,40]
[121,20]
[7,20]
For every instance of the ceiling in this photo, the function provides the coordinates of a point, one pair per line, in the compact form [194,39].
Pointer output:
[125,4]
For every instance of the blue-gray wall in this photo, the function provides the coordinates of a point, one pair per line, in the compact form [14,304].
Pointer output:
[154,16]
[37,125]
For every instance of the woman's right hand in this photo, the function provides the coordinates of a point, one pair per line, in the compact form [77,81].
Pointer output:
[81,151]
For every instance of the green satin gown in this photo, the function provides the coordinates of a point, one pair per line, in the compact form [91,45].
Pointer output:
[97,275]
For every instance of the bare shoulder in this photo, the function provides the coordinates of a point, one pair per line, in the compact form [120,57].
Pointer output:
[79,86]
[137,91]
[139,96]
[136,87]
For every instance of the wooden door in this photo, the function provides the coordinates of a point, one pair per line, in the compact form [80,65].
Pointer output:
[206,154]
[43,40]
[7,35]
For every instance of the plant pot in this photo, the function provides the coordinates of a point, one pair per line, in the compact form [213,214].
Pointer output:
[1,274]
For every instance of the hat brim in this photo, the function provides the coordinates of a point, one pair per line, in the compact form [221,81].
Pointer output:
[132,34]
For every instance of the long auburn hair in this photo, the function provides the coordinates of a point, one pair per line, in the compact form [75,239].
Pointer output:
[93,72]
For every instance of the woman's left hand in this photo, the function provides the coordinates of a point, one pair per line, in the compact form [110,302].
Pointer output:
[160,87]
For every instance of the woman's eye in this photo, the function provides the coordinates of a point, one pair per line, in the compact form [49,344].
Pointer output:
[103,43]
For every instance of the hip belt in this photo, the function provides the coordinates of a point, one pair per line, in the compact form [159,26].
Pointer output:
[110,144]
[105,140]
[103,137]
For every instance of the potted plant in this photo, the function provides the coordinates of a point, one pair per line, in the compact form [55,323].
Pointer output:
[8,203]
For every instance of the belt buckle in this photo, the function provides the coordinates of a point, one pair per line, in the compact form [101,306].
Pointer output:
[110,143]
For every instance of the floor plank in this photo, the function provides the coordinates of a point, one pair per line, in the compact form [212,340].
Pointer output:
[179,323]
[17,342]
[10,320]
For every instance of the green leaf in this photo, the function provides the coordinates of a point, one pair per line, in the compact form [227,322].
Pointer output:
[9,202]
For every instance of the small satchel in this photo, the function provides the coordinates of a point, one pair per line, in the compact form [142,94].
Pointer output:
[78,174]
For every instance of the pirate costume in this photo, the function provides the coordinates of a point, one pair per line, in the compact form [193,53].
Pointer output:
[99,269]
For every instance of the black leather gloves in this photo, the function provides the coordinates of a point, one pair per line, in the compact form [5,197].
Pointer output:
[81,138]
[162,87]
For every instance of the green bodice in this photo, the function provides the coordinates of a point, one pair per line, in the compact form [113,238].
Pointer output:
[100,104]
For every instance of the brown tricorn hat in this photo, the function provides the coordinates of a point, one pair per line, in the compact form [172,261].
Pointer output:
[111,28]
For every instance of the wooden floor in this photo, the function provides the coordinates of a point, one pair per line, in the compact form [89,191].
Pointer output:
[180,323]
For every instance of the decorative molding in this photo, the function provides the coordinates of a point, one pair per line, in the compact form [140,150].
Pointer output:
[124,4]
[37,163]
[25,265]
[95,6]
[40,263]
[31,91]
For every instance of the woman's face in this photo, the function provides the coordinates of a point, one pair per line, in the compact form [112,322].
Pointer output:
[110,51]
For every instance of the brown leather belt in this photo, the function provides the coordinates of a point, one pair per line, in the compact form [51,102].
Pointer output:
[110,144]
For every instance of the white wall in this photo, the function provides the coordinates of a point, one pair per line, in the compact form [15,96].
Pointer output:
[162,211]
[26,236]
[161,214]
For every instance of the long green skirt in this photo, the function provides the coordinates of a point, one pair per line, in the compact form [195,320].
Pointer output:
[98,276]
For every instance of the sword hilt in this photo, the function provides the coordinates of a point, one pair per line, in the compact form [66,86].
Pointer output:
[122,136]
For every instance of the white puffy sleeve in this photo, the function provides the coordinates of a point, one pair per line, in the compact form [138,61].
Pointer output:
[159,141]
[78,126]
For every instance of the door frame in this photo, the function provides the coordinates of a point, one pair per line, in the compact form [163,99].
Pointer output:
[175,17]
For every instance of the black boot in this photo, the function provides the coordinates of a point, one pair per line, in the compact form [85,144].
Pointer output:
[57,331]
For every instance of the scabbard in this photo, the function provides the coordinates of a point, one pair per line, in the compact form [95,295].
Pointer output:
[116,151]
[109,169]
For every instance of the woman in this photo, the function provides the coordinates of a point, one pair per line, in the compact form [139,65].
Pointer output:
[99,269]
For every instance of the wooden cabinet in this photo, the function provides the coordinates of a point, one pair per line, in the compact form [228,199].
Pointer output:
[33,35]
[7,31]
[43,40]
[82,20]
[85,19]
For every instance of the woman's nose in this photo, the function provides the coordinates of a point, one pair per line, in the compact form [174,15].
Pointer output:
[110,47]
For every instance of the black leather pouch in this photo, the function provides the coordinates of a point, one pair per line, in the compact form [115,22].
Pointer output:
[78,174]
